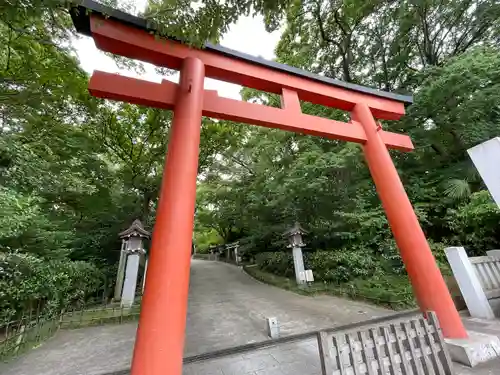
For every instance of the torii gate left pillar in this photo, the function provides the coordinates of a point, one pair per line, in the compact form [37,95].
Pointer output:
[160,336]
[164,305]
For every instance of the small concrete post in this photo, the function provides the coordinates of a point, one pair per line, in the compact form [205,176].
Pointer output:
[469,283]
[133,237]
[295,238]
[273,327]
[121,272]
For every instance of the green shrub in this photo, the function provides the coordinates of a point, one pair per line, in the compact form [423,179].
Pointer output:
[341,265]
[391,290]
[390,258]
[330,266]
[475,224]
[280,263]
[31,283]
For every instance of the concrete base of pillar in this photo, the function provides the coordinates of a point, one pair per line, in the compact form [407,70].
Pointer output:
[476,349]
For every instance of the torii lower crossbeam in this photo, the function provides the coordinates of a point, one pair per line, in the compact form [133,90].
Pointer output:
[289,117]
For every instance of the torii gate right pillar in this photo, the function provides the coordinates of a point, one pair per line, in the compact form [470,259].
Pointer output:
[428,284]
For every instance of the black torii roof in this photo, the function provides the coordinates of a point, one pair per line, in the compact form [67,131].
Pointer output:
[81,20]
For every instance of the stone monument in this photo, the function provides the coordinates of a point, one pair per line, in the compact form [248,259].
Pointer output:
[128,267]
[295,238]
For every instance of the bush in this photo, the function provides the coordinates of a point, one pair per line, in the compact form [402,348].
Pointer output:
[391,262]
[280,263]
[341,265]
[394,291]
[475,224]
[31,283]
[330,266]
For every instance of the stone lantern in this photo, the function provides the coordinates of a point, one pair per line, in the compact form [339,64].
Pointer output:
[296,243]
[128,267]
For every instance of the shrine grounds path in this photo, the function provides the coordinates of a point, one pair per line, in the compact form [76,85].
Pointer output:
[226,308]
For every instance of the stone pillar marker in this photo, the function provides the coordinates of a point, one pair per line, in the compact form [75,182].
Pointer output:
[133,237]
[130,283]
[121,272]
[295,238]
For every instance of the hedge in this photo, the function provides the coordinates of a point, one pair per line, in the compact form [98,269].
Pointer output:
[328,266]
[29,283]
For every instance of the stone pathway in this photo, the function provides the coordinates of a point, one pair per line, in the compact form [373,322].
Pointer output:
[299,358]
[226,308]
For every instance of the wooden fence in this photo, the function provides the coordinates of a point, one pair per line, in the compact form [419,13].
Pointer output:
[28,332]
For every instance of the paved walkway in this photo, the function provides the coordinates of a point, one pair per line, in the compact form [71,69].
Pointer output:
[226,308]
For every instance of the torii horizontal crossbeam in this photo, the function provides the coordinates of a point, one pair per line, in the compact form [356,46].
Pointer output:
[290,118]
[129,41]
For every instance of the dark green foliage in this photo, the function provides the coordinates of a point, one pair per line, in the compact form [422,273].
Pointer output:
[75,171]
[341,265]
[279,263]
[329,266]
[384,289]
[31,284]
[475,223]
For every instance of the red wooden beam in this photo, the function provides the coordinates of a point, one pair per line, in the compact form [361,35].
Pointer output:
[121,88]
[124,40]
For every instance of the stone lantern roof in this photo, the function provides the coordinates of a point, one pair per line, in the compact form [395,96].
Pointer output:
[135,230]
[296,229]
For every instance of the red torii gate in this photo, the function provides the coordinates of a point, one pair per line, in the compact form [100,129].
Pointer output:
[160,336]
